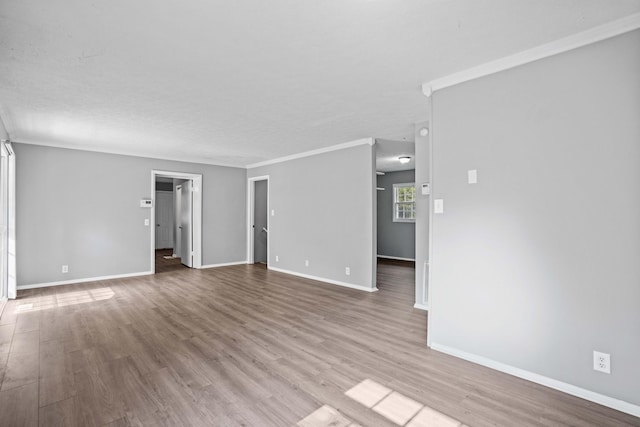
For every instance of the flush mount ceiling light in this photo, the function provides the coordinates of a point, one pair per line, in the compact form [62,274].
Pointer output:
[404,159]
[424,132]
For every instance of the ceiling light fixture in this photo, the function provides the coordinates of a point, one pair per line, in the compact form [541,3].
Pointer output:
[424,131]
[404,159]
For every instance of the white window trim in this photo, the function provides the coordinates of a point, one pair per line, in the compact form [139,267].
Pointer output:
[394,203]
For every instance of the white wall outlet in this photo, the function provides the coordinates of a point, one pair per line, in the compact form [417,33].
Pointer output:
[306,263]
[472,176]
[438,206]
[602,362]
[273,212]
[277,258]
[65,268]
[146,222]
[347,271]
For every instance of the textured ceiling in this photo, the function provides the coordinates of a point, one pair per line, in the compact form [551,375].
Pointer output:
[387,153]
[239,82]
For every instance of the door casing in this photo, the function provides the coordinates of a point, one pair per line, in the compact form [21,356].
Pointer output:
[196,179]
[186,222]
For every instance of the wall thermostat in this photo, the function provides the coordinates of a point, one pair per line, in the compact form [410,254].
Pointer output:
[426,189]
[146,203]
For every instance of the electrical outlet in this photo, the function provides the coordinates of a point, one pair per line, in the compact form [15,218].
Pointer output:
[347,271]
[65,268]
[306,263]
[602,362]
[277,258]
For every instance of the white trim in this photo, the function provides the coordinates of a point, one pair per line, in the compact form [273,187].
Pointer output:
[592,35]
[427,282]
[251,187]
[582,393]
[182,159]
[224,264]
[196,178]
[355,143]
[87,279]
[12,275]
[323,279]
[395,257]
[421,306]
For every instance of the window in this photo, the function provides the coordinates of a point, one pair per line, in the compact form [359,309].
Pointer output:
[404,202]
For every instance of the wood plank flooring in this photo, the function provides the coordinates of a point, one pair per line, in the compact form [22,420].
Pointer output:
[164,265]
[244,346]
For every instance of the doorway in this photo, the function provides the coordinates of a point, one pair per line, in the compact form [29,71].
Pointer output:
[176,211]
[395,212]
[258,221]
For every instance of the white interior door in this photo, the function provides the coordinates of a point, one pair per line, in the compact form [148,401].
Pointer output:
[164,220]
[186,221]
[177,249]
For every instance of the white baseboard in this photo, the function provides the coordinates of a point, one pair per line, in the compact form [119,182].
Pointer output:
[619,405]
[224,264]
[396,258]
[323,279]
[87,279]
[424,307]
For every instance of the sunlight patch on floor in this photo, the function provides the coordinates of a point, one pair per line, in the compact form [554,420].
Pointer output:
[397,407]
[65,299]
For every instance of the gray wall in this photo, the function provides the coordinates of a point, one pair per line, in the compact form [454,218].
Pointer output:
[82,209]
[395,239]
[422,171]
[164,186]
[324,212]
[537,265]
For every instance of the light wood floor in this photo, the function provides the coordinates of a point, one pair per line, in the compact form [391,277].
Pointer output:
[242,345]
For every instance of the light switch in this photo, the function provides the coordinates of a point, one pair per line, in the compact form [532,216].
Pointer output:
[146,222]
[472,176]
[438,206]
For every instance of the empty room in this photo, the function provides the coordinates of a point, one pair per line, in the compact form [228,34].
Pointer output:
[347,213]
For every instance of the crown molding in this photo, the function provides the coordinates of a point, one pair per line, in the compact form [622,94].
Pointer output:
[593,35]
[181,159]
[363,141]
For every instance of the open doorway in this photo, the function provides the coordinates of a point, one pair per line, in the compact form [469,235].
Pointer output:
[258,221]
[176,238]
[395,219]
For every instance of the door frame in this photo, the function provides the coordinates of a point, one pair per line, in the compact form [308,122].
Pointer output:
[251,189]
[197,214]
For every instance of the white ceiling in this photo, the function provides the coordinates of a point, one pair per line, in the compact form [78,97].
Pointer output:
[238,82]
[387,153]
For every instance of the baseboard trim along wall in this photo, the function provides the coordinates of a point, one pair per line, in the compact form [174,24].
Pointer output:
[224,264]
[592,396]
[323,279]
[421,306]
[396,258]
[88,279]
